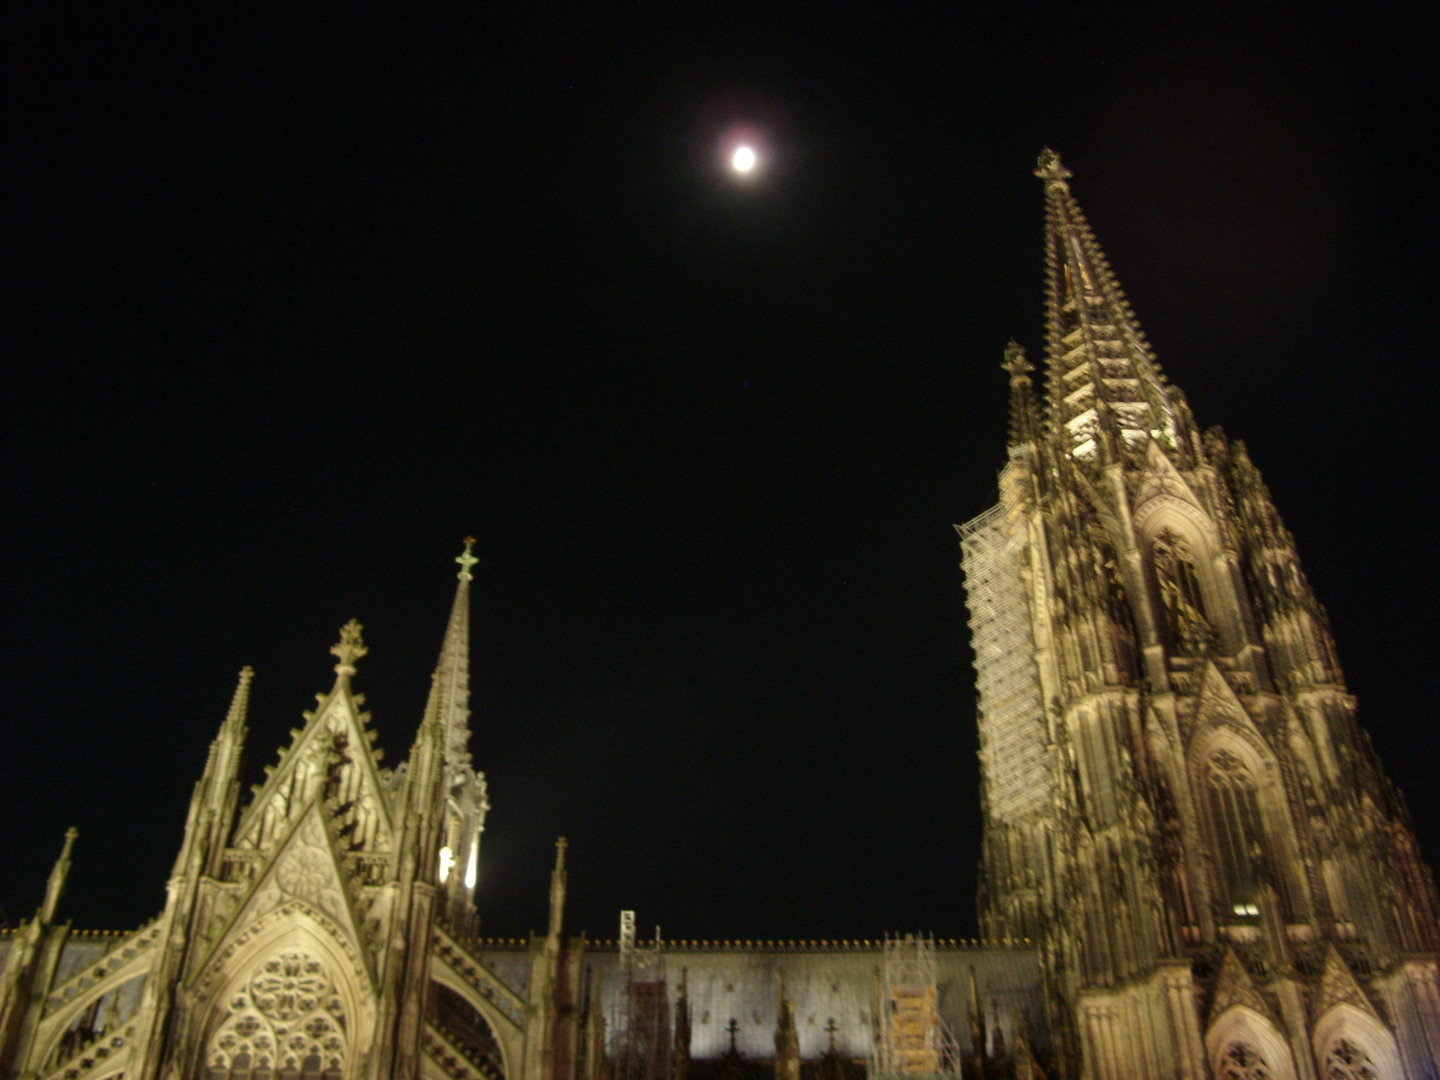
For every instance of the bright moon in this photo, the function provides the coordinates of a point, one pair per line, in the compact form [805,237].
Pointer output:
[743,160]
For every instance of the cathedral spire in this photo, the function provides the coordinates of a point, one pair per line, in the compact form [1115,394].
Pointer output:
[1105,388]
[466,803]
[452,674]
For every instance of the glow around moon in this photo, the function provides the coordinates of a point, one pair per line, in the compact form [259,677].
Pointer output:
[743,159]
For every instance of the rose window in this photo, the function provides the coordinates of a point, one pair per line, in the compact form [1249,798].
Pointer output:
[289,986]
[288,1020]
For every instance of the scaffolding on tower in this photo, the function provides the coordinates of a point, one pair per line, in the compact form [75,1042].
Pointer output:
[911,1040]
[642,1036]
[1013,739]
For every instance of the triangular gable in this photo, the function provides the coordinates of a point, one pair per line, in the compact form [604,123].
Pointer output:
[1338,986]
[304,872]
[1160,477]
[338,716]
[1235,987]
[1218,700]
[1102,505]
[1219,706]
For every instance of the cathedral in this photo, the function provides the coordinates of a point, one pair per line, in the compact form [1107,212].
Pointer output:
[1194,866]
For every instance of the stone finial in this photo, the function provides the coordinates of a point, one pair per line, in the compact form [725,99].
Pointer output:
[466,559]
[1050,169]
[560,845]
[350,648]
[1015,362]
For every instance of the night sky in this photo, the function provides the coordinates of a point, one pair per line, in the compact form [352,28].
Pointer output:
[294,302]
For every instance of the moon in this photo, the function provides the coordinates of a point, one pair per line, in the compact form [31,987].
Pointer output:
[743,159]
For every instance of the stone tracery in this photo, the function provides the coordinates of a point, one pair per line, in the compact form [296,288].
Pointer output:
[1346,1061]
[1241,1061]
[287,1020]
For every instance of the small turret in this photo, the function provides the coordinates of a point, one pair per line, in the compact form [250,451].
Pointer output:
[56,885]
[557,890]
[1024,422]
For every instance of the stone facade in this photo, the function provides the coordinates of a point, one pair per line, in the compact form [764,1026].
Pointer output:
[1180,806]
[1194,866]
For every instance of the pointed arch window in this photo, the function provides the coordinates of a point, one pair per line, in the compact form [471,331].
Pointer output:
[1180,594]
[1346,1061]
[1241,1061]
[1239,831]
[286,1023]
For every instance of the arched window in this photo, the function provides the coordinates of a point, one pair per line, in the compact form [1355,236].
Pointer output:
[286,1023]
[1346,1061]
[1239,833]
[1180,594]
[1241,1061]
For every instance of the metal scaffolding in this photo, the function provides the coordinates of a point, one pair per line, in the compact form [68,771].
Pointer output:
[642,1038]
[1012,719]
[910,1038]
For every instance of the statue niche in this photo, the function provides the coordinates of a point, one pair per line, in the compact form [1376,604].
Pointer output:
[1180,596]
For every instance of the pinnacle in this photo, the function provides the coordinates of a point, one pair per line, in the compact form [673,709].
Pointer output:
[1050,169]
[350,648]
[1015,362]
[466,559]
[240,703]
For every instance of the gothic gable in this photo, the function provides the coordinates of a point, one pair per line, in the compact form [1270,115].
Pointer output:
[1218,712]
[1338,987]
[1160,487]
[304,876]
[1235,987]
[334,749]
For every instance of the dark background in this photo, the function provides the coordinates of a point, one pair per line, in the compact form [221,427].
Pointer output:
[293,302]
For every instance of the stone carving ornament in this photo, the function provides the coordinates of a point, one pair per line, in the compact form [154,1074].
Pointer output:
[1241,1061]
[289,986]
[305,871]
[286,1017]
[1346,1061]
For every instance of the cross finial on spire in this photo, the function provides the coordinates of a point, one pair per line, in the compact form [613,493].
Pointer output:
[1015,362]
[350,648]
[1050,169]
[466,559]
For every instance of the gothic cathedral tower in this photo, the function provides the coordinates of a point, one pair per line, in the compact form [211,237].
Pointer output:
[1179,804]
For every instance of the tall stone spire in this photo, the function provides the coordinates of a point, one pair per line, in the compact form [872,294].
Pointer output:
[452,675]
[466,802]
[1105,386]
